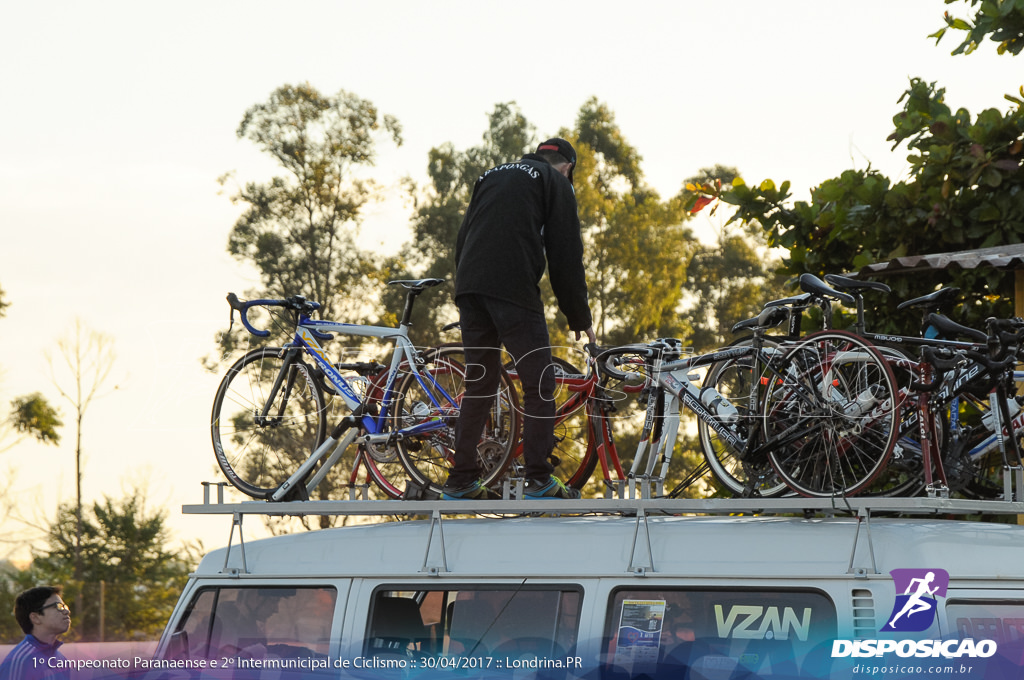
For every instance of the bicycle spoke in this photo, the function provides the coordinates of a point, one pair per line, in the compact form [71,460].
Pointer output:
[831,420]
[259,444]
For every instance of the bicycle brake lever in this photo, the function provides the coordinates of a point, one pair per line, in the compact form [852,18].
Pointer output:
[232,301]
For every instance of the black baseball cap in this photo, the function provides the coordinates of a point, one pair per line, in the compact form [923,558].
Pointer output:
[563,149]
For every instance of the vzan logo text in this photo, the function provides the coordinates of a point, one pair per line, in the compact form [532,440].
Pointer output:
[754,622]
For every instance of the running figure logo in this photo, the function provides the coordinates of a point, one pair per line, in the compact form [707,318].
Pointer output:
[915,608]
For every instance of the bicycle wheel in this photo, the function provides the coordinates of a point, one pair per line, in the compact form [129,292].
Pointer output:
[259,444]
[735,379]
[903,476]
[831,415]
[572,456]
[432,403]
[378,461]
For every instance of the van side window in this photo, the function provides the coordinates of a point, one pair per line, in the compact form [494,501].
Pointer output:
[255,622]
[517,622]
[999,620]
[716,633]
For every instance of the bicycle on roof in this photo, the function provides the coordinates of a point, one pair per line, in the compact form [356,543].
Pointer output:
[270,415]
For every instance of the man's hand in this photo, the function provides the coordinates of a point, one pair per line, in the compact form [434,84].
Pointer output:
[591,337]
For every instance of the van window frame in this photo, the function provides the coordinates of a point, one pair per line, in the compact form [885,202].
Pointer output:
[421,588]
[611,615]
[996,601]
[217,589]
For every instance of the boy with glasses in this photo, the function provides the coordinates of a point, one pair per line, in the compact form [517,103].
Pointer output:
[44,617]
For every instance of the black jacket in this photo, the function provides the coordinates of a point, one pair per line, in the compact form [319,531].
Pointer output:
[523,215]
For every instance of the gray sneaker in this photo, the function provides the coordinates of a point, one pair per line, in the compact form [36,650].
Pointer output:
[475,491]
[552,487]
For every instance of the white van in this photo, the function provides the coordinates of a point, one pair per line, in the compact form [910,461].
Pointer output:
[635,593]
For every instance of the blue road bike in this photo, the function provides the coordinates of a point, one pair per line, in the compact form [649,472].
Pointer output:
[270,416]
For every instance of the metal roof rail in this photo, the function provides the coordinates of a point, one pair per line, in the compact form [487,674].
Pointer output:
[789,505]
[641,560]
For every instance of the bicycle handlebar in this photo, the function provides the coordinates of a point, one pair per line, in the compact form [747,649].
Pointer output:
[1004,339]
[296,303]
[605,359]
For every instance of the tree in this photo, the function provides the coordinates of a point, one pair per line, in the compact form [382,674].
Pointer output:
[730,279]
[636,244]
[88,359]
[439,208]
[1001,21]
[298,228]
[965,191]
[30,415]
[13,581]
[127,579]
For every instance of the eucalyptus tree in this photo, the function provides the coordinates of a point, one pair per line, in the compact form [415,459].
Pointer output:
[299,227]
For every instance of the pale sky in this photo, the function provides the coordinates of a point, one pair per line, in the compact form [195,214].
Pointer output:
[117,118]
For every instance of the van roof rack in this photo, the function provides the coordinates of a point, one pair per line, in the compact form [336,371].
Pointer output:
[642,556]
[629,506]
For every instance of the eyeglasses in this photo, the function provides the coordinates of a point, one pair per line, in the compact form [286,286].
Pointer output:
[59,605]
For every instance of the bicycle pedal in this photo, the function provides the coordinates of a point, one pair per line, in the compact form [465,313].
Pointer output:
[296,493]
[418,492]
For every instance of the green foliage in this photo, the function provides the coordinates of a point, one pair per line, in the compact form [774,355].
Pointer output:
[32,415]
[298,228]
[439,208]
[616,160]
[13,581]
[637,255]
[1001,21]
[123,547]
[639,250]
[637,245]
[731,279]
[966,191]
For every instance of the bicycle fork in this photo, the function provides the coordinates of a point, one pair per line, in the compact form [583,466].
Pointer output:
[927,437]
[657,442]
[1013,474]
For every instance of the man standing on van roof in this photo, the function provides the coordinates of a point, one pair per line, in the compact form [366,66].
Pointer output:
[43,617]
[521,218]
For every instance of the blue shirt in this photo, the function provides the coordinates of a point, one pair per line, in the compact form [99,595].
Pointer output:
[30,660]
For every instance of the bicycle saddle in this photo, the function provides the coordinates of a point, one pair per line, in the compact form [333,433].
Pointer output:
[770,317]
[810,283]
[846,283]
[932,300]
[417,284]
[949,328]
[802,300]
